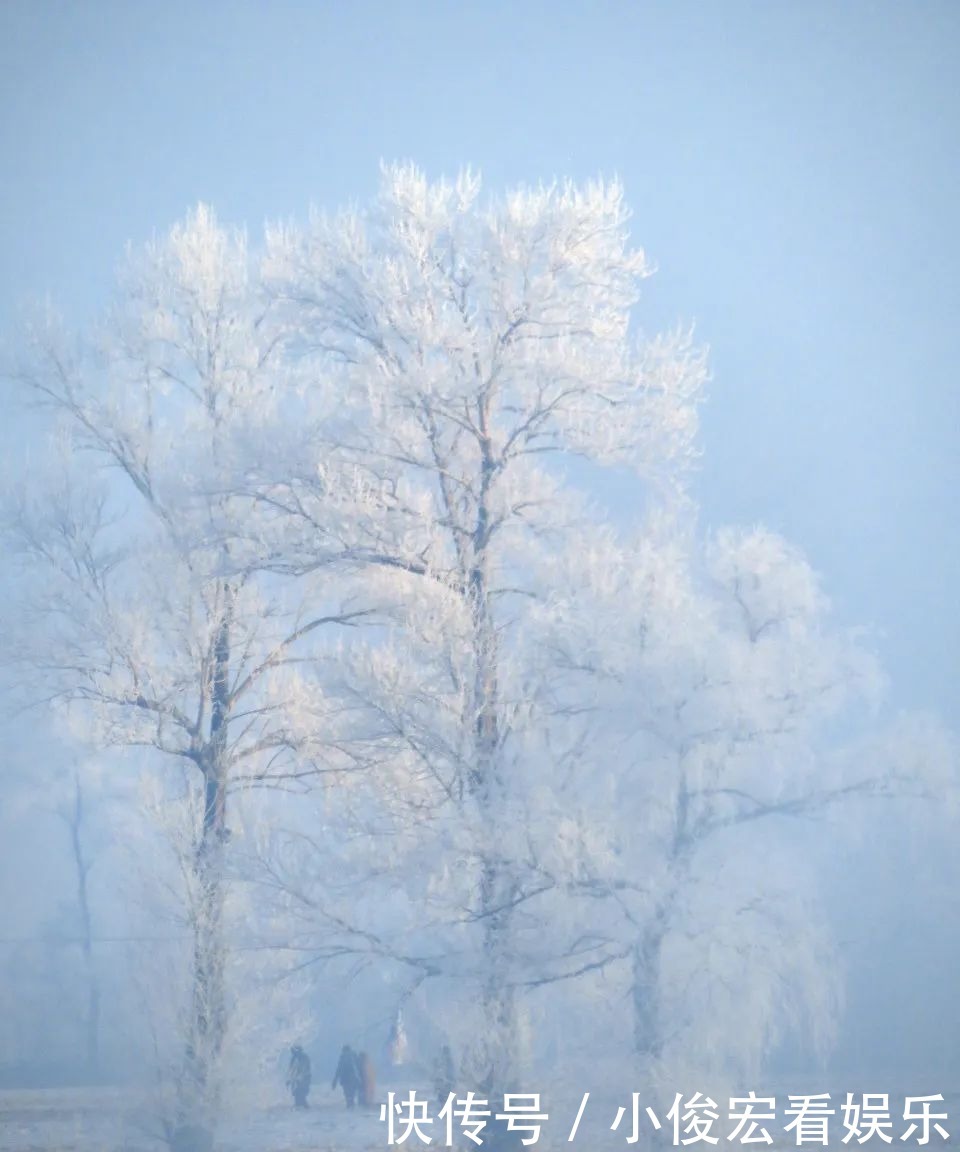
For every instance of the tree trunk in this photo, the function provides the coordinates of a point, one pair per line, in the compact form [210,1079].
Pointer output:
[645,993]
[198,1095]
[91,1024]
[499,995]
[648,1038]
[496,888]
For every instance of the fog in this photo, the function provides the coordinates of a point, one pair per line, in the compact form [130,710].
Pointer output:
[790,173]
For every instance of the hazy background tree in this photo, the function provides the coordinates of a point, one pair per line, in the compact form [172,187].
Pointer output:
[722,713]
[136,620]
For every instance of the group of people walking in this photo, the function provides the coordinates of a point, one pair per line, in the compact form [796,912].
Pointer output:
[354,1075]
[354,1072]
[356,1078]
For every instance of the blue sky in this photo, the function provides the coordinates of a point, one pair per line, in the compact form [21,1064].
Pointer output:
[792,167]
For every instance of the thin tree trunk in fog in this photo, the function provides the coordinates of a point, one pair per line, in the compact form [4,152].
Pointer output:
[91,1024]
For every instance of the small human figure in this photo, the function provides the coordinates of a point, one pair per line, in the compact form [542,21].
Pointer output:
[347,1075]
[298,1076]
[368,1081]
[397,1045]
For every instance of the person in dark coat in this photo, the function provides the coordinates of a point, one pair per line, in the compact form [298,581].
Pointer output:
[347,1075]
[298,1076]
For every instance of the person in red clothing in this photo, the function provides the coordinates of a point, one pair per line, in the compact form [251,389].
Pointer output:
[368,1081]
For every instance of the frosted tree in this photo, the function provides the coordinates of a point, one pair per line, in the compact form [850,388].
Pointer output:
[731,703]
[484,344]
[558,750]
[144,616]
[574,719]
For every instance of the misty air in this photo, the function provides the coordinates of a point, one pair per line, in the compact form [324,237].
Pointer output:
[479,625]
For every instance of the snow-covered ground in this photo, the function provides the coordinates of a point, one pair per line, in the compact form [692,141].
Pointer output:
[65,1120]
[109,1120]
